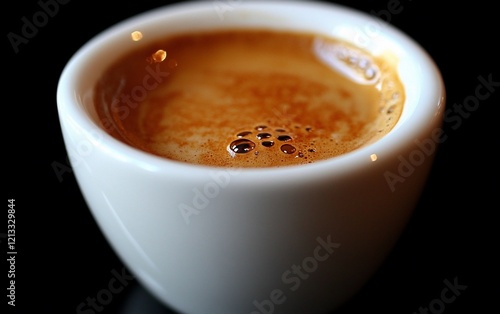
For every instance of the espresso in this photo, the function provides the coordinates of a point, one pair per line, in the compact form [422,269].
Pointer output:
[249,98]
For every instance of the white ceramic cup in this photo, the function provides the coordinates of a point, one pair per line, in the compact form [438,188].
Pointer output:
[300,239]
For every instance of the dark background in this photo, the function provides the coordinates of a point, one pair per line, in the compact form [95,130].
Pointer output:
[62,258]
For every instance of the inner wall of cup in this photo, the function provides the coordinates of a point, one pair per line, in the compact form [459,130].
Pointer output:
[355,27]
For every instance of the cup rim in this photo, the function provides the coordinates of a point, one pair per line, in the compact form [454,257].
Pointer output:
[429,104]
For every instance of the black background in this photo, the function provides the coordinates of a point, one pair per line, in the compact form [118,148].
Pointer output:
[62,258]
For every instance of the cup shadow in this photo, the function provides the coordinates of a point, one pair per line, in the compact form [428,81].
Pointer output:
[140,301]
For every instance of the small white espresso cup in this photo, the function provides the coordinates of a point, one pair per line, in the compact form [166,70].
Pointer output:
[300,239]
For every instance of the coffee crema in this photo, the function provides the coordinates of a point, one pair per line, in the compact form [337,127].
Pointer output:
[249,98]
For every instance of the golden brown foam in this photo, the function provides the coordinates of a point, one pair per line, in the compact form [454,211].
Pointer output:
[249,98]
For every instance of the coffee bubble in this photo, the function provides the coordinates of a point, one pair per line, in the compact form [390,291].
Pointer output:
[242,146]
[284,138]
[158,56]
[262,136]
[288,149]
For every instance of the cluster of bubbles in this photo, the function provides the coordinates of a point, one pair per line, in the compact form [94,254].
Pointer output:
[246,141]
[249,141]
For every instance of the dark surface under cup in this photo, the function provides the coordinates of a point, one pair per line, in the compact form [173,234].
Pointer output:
[445,260]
